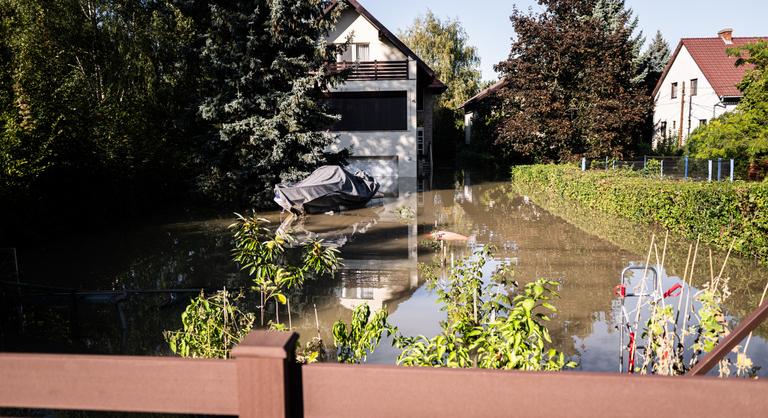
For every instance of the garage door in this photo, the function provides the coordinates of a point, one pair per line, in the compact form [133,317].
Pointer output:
[383,169]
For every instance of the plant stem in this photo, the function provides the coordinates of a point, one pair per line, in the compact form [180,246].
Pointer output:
[290,323]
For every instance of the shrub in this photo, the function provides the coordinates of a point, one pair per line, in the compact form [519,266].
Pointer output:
[718,212]
[488,325]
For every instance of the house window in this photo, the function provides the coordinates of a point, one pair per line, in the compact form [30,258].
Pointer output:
[674,127]
[702,122]
[694,86]
[663,129]
[674,91]
[361,52]
[346,55]
[370,111]
[355,52]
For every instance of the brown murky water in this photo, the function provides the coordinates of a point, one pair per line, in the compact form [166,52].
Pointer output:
[382,247]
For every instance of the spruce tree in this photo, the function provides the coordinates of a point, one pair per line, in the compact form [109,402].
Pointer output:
[265,60]
[652,62]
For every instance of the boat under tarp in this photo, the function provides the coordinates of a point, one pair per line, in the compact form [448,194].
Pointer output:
[329,188]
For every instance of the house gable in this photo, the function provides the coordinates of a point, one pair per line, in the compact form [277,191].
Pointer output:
[710,55]
[349,22]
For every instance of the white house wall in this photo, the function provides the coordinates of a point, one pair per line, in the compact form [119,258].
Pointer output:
[704,105]
[362,31]
[385,144]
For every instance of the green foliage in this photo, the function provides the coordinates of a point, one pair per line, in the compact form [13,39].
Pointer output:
[265,63]
[263,255]
[363,334]
[486,327]
[211,326]
[571,83]
[444,46]
[718,211]
[743,133]
[98,89]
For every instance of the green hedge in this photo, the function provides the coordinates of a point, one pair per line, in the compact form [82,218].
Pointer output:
[717,211]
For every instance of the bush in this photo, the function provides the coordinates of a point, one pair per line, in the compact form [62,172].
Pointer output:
[719,212]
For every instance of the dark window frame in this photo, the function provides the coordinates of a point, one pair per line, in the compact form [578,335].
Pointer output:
[673,93]
[380,111]
[694,86]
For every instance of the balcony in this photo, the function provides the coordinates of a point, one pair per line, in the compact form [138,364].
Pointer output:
[372,70]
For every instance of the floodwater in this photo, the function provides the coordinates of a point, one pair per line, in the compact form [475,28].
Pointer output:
[114,276]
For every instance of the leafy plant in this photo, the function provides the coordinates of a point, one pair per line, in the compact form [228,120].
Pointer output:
[211,326]
[264,256]
[486,327]
[363,334]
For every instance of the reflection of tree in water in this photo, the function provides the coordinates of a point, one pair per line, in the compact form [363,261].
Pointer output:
[190,255]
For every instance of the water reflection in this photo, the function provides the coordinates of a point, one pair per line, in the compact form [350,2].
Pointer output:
[381,246]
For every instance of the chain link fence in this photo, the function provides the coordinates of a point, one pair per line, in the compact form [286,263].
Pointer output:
[683,168]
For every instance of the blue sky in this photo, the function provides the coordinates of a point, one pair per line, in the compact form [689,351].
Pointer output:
[487,21]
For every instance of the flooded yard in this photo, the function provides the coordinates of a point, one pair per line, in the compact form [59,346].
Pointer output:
[116,292]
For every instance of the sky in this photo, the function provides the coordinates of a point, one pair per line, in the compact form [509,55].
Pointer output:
[488,27]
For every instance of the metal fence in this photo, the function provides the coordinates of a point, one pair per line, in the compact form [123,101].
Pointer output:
[684,168]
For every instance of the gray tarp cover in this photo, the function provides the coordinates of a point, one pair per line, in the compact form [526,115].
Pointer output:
[329,188]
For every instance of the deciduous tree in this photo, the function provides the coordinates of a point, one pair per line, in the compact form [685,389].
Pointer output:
[444,45]
[570,89]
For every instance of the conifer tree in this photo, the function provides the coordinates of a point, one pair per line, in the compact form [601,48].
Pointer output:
[653,60]
[265,59]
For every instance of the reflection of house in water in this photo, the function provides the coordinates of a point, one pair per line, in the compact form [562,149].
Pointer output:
[379,249]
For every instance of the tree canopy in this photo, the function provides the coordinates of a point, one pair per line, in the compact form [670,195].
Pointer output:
[444,45]
[571,86]
[117,106]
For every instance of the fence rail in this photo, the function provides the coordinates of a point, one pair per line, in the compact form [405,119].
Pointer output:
[264,380]
[683,168]
[372,70]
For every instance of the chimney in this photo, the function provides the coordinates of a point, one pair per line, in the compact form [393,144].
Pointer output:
[726,35]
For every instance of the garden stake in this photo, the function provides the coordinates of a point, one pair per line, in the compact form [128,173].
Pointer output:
[633,343]
[688,295]
[317,321]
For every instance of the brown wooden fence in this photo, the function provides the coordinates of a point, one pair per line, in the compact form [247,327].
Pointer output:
[263,380]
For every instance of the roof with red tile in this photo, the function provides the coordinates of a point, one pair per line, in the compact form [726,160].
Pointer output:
[711,57]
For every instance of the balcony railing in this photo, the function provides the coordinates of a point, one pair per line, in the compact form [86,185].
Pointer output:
[373,70]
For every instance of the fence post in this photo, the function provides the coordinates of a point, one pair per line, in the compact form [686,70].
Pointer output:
[583,163]
[732,170]
[606,163]
[709,169]
[268,377]
[661,170]
[719,168]
[645,161]
[685,176]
